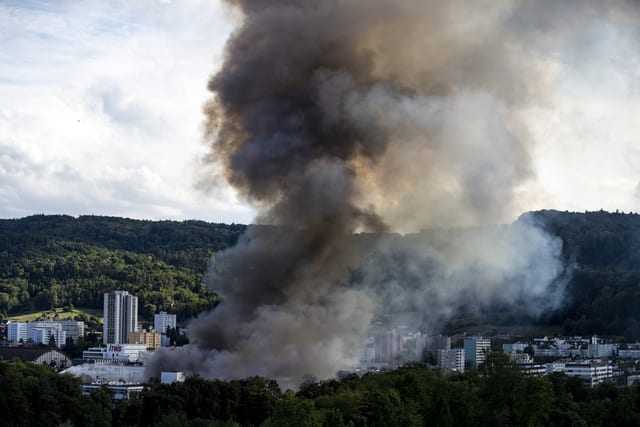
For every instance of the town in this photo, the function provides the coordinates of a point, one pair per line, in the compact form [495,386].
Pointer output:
[118,361]
[593,359]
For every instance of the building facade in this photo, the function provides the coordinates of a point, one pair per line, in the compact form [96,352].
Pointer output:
[593,373]
[45,335]
[388,346]
[150,339]
[120,317]
[451,359]
[73,328]
[475,350]
[17,331]
[163,320]
[116,352]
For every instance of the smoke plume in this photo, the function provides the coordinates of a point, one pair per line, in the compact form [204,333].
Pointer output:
[374,116]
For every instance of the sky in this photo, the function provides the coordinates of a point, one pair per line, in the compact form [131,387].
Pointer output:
[101,113]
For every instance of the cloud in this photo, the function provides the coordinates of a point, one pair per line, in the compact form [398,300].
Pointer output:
[101,108]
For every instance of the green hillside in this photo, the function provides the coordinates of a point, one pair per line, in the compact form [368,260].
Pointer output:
[55,261]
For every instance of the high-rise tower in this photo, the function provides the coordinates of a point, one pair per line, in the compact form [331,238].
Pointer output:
[120,317]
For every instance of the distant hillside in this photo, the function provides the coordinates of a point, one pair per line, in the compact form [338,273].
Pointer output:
[54,260]
[603,296]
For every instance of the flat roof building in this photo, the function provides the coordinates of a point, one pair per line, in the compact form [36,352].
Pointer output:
[150,339]
[451,359]
[593,373]
[163,320]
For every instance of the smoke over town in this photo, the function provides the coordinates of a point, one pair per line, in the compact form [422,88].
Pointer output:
[345,121]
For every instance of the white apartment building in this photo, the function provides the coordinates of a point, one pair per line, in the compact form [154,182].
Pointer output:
[163,320]
[629,354]
[601,350]
[451,359]
[475,349]
[73,328]
[593,373]
[17,331]
[120,317]
[517,347]
[43,335]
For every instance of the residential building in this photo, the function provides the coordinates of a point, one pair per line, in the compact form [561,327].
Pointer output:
[521,358]
[437,342]
[517,347]
[17,331]
[73,328]
[532,369]
[554,367]
[163,320]
[601,350]
[629,354]
[120,317]
[25,330]
[150,339]
[369,351]
[44,335]
[388,346]
[475,350]
[632,379]
[451,359]
[593,373]
[172,377]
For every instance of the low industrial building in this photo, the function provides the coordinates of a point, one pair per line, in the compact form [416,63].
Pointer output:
[104,371]
[37,355]
[121,390]
[120,352]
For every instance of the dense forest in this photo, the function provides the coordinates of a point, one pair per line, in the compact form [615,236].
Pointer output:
[497,395]
[56,261]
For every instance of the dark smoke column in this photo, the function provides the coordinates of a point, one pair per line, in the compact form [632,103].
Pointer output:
[333,117]
[288,310]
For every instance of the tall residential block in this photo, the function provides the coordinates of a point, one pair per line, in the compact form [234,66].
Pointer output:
[388,346]
[162,321]
[120,317]
[475,350]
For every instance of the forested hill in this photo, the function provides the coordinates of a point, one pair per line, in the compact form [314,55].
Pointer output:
[603,249]
[56,260]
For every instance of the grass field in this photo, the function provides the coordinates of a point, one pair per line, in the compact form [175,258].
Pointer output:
[59,312]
